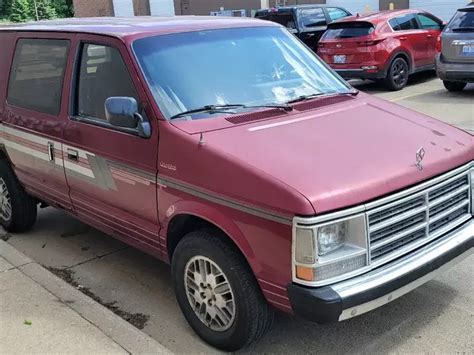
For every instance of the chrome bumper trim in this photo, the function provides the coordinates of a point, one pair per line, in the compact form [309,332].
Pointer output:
[399,268]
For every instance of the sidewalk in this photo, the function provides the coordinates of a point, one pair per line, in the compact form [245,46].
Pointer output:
[40,313]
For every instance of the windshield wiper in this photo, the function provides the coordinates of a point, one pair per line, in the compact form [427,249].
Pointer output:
[462,29]
[207,108]
[305,98]
[312,96]
[225,108]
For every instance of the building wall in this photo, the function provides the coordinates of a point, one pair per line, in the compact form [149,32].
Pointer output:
[397,4]
[87,8]
[141,7]
[444,9]
[162,7]
[356,6]
[204,7]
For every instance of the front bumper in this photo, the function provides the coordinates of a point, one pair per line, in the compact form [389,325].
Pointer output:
[366,292]
[454,71]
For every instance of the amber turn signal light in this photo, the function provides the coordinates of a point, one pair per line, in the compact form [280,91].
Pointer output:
[305,273]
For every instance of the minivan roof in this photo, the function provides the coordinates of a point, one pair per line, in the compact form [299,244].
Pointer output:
[137,26]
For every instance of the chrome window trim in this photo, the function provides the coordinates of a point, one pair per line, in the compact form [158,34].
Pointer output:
[377,205]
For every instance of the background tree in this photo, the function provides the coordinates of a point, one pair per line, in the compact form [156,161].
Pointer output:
[44,9]
[20,11]
[5,8]
[64,8]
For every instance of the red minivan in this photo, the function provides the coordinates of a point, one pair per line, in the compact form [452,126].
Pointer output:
[388,46]
[227,149]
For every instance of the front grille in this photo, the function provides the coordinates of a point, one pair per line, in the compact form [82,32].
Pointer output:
[401,226]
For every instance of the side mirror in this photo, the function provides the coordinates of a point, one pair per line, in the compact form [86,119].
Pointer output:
[122,112]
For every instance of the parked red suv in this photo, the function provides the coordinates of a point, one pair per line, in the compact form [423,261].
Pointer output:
[229,150]
[388,46]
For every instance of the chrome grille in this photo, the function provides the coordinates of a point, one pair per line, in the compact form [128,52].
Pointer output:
[401,226]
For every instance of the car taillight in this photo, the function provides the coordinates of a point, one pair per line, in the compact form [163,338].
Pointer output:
[439,44]
[372,42]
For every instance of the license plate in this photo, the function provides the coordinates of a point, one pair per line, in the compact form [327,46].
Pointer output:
[468,50]
[339,59]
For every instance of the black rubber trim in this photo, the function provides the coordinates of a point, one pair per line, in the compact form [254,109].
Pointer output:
[324,305]
[321,305]
[460,75]
[360,74]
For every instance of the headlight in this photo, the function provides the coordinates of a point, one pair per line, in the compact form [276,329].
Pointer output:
[327,251]
[331,237]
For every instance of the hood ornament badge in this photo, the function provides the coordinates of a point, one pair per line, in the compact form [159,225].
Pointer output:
[420,154]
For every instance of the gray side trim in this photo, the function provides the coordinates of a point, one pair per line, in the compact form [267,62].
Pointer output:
[102,173]
[141,173]
[225,201]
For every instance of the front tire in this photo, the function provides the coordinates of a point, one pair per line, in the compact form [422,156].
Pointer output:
[397,76]
[217,291]
[454,86]
[18,210]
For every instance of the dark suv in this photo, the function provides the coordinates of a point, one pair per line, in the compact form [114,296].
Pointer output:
[307,22]
[455,62]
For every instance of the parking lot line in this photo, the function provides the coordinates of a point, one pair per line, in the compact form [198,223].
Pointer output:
[414,95]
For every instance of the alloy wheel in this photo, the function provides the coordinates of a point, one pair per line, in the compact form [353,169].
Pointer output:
[5,201]
[400,72]
[209,293]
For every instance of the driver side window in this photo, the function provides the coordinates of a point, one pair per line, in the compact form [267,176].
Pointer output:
[103,74]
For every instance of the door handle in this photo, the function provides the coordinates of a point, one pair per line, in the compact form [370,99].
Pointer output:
[429,36]
[51,151]
[72,154]
[403,38]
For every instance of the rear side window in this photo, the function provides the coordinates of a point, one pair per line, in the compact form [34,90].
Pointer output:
[404,23]
[336,14]
[463,21]
[312,17]
[428,23]
[348,30]
[37,74]
[103,74]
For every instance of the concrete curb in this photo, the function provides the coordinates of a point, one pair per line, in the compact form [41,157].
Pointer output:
[123,333]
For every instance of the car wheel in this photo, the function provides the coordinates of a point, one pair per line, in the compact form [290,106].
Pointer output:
[18,210]
[397,76]
[454,85]
[217,291]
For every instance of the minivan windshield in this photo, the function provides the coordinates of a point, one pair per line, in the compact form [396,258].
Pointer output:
[231,67]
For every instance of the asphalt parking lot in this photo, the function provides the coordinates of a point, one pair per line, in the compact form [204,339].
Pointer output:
[437,317]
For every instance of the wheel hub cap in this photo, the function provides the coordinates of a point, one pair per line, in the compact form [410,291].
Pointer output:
[209,293]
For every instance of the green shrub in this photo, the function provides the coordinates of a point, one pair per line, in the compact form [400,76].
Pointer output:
[20,11]
[44,10]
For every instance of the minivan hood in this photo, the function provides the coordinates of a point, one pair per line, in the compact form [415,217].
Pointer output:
[348,153]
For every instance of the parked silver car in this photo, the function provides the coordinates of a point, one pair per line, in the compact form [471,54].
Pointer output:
[455,62]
